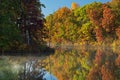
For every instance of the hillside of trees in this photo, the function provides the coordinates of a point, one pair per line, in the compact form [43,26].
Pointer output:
[94,23]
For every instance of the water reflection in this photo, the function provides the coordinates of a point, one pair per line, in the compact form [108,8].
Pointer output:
[23,68]
[86,64]
[68,64]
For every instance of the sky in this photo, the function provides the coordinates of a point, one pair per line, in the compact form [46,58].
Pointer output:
[53,5]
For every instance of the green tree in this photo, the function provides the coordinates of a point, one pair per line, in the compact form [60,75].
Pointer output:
[9,34]
[20,17]
[86,32]
[81,15]
[86,29]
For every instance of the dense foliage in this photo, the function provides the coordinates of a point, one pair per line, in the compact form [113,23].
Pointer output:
[95,22]
[21,24]
[90,24]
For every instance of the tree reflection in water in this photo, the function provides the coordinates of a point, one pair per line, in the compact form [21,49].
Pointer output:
[86,64]
[32,71]
[74,64]
[21,68]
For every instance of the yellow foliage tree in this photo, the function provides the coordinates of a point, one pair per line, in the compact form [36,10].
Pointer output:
[74,5]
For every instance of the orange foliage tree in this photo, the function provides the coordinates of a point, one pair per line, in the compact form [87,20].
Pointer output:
[74,5]
[94,12]
[108,21]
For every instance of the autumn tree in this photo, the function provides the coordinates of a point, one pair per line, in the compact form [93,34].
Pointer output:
[86,29]
[62,26]
[115,6]
[94,12]
[74,5]
[86,32]
[108,21]
[60,16]
[81,15]
[92,22]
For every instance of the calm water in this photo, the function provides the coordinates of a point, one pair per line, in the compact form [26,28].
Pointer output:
[68,64]
[24,68]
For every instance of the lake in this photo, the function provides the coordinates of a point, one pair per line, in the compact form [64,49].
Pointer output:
[67,64]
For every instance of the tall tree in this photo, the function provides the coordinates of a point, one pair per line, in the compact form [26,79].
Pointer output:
[31,20]
[108,21]
[94,12]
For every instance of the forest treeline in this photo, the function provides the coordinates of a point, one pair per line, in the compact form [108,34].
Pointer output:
[92,23]
[21,25]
